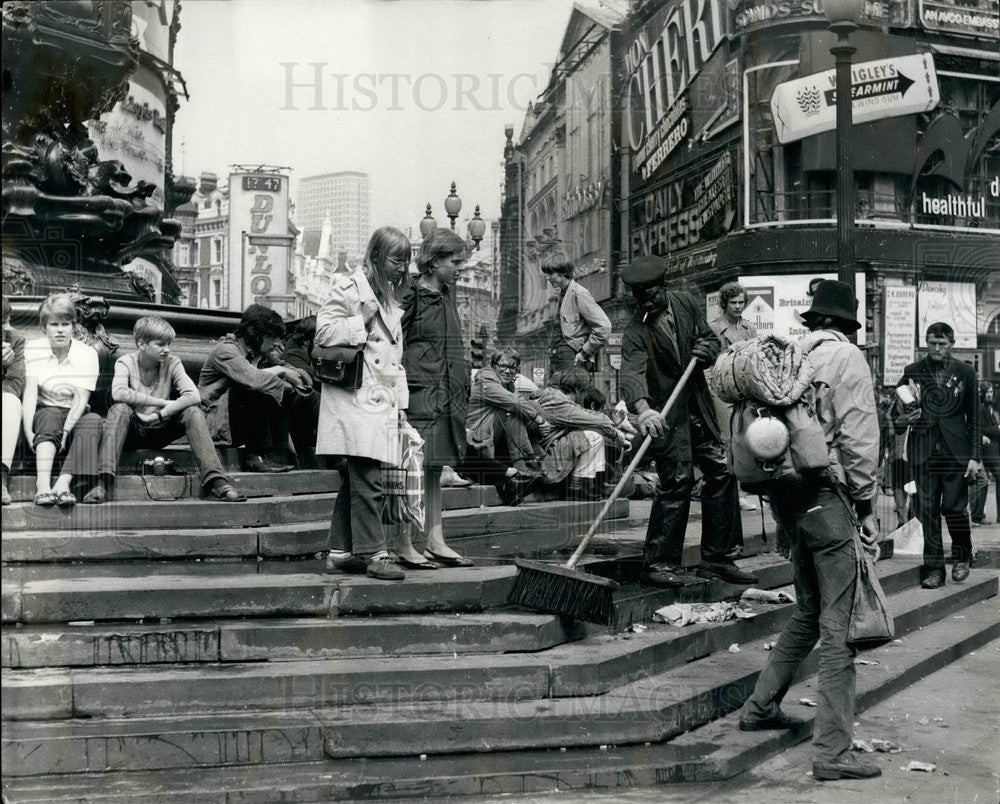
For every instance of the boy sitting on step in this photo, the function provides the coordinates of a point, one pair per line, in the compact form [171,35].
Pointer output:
[156,402]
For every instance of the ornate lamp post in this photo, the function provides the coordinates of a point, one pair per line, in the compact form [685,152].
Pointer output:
[453,205]
[843,16]
[427,224]
[477,228]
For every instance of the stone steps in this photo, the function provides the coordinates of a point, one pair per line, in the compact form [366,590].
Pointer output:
[132,488]
[57,692]
[108,640]
[111,759]
[283,526]
[284,639]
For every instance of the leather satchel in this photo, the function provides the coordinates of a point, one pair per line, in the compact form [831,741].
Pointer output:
[871,622]
[342,366]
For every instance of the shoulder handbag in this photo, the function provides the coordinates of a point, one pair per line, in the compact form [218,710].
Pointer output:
[871,622]
[342,366]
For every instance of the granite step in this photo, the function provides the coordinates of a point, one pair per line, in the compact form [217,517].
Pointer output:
[590,666]
[277,640]
[212,639]
[721,753]
[933,629]
[201,596]
[288,526]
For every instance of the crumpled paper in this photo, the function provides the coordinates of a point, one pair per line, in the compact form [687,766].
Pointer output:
[875,745]
[681,614]
[768,595]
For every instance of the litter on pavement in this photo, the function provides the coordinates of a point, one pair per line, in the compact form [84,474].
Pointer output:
[768,595]
[681,614]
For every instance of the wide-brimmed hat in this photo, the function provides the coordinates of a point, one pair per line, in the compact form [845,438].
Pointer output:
[835,299]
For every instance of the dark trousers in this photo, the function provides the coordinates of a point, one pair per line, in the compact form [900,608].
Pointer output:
[820,527]
[122,427]
[84,442]
[981,490]
[942,491]
[258,422]
[304,422]
[721,525]
[356,526]
[510,442]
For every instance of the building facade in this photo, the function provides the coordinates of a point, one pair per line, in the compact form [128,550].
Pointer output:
[344,198]
[560,180]
[723,125]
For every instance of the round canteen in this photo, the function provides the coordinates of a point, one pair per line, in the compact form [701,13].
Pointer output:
[767,438]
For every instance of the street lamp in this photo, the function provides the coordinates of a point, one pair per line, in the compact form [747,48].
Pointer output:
[843,16]
[453,205]
[477,227]
[427,224]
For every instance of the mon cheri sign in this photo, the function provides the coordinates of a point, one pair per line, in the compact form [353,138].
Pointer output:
[884,88]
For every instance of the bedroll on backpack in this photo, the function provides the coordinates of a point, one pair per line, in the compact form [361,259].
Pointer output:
[755,458]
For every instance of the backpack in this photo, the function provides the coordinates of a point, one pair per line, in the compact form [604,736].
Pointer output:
[805,456]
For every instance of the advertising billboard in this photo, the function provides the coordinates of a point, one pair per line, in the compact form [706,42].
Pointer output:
[890,87]
[259,245]
[775,302]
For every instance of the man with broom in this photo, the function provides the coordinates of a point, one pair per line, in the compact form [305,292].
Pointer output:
[669,330]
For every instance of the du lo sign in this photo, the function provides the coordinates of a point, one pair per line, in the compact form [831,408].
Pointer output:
[884,88]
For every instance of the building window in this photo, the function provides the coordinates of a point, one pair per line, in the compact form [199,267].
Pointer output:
[217,247]
[193,246]
[216,293]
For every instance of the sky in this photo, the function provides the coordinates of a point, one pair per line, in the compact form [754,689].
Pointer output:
[414,92]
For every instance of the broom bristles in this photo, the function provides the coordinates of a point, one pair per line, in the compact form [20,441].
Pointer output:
[569,593]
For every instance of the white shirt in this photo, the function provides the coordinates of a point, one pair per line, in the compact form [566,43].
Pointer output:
[57,381]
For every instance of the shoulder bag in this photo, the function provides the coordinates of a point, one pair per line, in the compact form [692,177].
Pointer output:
[342,366]
[871,622]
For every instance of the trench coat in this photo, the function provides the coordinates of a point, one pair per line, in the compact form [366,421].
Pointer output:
[362,423]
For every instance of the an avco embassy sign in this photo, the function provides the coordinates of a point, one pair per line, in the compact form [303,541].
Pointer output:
[884,88]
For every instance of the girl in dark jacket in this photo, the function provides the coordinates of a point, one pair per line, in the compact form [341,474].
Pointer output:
[989,415]
[438,378]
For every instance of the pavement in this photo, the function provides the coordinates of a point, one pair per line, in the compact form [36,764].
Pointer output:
[930,722]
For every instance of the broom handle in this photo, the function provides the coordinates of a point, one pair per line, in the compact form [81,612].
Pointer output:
[631,467]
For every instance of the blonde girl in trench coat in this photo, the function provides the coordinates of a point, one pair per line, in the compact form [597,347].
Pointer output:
[363,425]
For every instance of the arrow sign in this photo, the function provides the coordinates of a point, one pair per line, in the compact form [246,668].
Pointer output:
[884,88]
[873,88]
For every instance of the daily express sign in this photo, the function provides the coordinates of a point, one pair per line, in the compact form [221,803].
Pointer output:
[884,88]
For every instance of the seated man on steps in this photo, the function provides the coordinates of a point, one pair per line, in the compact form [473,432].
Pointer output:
[574,449]
[496,428]
[156,402]
[246,404]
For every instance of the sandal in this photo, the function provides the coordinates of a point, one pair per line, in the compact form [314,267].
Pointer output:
[66,499]
[224,492]
[45,499]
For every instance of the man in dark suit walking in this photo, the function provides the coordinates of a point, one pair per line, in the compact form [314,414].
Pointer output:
[657,345]
[943,450]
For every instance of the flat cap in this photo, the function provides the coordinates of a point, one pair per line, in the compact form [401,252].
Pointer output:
[646,270]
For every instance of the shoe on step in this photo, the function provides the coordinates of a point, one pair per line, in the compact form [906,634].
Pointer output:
[844,769]
[727,571]
[384,569]
[959,571]
[778,721]
[934,579]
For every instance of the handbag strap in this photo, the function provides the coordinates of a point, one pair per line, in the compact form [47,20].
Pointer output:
[185,486]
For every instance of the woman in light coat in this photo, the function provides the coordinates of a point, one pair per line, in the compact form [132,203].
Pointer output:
[363,425]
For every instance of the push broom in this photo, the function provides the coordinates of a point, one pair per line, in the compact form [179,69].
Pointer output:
[569,592]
